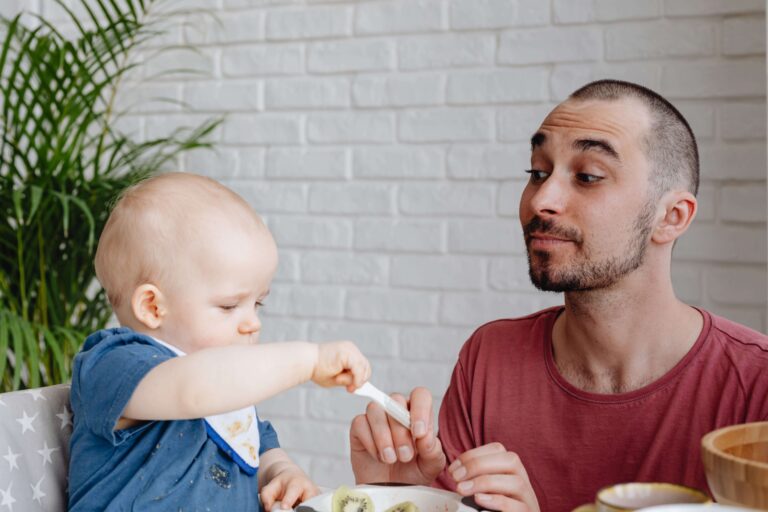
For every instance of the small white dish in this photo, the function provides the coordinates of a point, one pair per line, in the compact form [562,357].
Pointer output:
[427,499]
[712,507]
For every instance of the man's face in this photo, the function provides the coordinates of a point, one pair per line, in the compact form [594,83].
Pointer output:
[587,210]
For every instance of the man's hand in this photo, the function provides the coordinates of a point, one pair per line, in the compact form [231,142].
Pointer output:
[385,451]
[496,478]
[290,486]
[340,363]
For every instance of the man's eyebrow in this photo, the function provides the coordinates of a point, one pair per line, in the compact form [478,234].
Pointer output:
[596,144]
[537,140]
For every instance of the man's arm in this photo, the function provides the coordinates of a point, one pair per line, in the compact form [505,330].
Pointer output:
[494,476]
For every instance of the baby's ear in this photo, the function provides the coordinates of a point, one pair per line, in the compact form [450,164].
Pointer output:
[147,304]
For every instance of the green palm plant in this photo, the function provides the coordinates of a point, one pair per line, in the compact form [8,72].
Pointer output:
[62,163]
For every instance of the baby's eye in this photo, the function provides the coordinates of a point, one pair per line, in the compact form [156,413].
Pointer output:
[228,307]
[259,304]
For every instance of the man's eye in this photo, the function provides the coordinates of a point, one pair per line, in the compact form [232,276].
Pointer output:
[537,176]
[588,178]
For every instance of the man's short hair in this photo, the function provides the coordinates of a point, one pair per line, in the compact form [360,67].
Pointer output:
[670,144]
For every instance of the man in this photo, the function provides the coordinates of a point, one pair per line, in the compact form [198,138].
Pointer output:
[620,383]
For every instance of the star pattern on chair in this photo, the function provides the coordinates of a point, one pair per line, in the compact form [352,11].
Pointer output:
[35,428]
[65,416]
[37,493]
[46,453]
[37,394]
[26,422]
[8,499]
[11,458]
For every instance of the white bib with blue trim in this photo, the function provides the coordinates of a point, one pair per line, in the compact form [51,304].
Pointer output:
[235,432]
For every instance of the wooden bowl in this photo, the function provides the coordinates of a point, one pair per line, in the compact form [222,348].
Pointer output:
[736,463]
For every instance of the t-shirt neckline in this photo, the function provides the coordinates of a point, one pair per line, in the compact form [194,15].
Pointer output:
[629,396]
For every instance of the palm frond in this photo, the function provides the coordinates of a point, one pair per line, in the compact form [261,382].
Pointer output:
[62,163]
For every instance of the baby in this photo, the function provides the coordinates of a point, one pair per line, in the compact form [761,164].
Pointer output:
[163,405]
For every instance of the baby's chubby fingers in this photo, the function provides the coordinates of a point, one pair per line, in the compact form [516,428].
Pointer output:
[341,363]
[270,493]
[298,490]
[359,367]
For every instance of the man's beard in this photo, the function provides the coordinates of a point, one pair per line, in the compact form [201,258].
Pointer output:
[587,275]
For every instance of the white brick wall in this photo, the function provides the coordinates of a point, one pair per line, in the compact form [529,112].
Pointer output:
[384,142]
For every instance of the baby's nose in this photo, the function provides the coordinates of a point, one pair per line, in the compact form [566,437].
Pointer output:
[250,325]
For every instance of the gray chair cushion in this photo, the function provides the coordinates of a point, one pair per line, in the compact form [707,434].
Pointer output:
[35,427]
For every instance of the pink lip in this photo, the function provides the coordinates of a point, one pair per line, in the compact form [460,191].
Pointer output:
[539,241]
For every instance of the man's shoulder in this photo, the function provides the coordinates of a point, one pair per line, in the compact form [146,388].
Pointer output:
[738,335]
[742,352]
[529,328]
[522,323]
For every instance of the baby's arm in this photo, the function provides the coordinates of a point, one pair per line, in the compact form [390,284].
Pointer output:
[222,379]
[282,480]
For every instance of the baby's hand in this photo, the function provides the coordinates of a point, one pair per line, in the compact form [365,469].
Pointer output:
[340,363]
[289,487]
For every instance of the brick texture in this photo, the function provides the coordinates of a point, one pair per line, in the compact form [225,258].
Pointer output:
[384,142]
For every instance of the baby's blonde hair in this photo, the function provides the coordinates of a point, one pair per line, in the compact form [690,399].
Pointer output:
[154,222]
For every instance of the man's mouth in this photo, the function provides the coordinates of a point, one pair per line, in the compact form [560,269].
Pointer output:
[544,241]
[545,234]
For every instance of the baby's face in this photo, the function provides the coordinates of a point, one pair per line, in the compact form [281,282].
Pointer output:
[218,288]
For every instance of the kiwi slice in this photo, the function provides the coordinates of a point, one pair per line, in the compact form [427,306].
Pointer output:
[346,500]
[406,506]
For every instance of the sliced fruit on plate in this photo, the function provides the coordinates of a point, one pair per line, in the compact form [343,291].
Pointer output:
[406,506]
[346,500]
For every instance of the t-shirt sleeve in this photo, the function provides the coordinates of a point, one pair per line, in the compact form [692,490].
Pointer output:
[106,380]
[267,437]
[455,424]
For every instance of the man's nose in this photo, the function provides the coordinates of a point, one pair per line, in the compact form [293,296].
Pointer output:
[550,197]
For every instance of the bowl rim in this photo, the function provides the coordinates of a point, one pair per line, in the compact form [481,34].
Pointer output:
[708,443]
[692,491]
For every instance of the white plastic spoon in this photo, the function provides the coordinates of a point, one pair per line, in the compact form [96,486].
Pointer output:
[394,409]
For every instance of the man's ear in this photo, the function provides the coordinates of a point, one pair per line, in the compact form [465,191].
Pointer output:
[148,305]
[680,208]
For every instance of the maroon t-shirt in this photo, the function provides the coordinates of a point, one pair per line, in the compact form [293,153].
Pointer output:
[506,388]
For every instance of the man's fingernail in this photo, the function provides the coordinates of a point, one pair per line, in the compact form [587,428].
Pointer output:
[389,455]
[460,473]
[456,463]
[486,498]
[405,453]
[419,428]
[465,486]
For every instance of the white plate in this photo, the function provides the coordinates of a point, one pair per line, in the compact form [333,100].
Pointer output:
[711,507]
[426,498]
